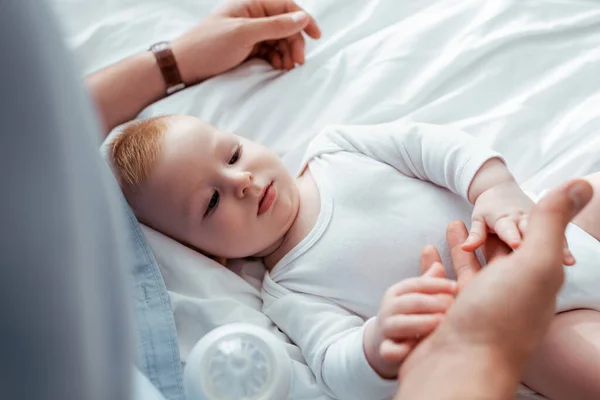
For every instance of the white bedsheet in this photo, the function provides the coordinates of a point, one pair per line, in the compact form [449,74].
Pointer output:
[521,74]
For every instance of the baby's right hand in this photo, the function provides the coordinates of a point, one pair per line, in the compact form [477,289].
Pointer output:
[411,309]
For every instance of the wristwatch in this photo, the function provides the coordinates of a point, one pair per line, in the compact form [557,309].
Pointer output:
[168,66]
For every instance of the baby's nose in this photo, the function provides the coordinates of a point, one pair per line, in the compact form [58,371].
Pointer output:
[244,183]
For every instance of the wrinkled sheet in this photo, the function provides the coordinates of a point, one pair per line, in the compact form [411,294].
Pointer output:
[521,74]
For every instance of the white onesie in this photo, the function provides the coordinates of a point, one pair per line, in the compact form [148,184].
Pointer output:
[378,209]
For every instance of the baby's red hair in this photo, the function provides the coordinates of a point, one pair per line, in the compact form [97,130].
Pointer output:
[135,149]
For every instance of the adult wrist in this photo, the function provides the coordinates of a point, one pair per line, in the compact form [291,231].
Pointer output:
[168,66]
[179,53]
[452,372]
[192,62]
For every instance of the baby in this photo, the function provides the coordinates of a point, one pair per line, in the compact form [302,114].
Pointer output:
[347,229]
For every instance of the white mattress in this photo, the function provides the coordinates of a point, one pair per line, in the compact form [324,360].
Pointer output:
[521,74]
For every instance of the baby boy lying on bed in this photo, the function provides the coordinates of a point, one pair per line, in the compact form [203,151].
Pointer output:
[346,229]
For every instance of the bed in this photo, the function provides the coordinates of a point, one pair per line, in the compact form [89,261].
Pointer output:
[520,74]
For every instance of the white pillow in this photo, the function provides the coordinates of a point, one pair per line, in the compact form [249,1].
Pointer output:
[204,294]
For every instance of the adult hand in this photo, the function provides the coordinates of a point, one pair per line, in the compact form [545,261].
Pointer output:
[241,29]
[487,335]
[394,345]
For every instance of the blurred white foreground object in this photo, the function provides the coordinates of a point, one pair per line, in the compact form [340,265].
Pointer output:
[237,362]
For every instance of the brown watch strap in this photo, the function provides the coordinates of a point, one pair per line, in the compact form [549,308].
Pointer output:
[168,66]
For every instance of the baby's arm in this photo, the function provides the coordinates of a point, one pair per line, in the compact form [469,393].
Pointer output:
[410,311]
[331,341]
[448,158]
[445,156]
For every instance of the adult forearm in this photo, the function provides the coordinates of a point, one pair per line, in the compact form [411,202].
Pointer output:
[123,90]
[227,37]
[460,374]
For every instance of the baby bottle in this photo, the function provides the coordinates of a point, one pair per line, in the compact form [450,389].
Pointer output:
[237,362]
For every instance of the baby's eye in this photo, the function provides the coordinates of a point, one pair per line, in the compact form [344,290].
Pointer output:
[236,156]
[212,204]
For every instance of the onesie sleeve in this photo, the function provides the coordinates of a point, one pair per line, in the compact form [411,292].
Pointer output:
[331,341]
[443,155]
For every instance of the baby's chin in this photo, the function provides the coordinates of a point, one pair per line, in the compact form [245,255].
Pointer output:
[240,255]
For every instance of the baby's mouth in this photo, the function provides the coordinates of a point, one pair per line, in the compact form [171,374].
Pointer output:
[266,199]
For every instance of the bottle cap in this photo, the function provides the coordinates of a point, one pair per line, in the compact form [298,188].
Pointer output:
[238,362]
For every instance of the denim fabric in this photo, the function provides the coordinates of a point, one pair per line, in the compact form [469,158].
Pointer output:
[143,389]
[157,348]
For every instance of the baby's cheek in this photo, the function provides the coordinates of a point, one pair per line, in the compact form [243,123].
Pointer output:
[237,229]
[229,225]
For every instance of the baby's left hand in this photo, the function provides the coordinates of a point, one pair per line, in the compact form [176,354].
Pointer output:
[503,210]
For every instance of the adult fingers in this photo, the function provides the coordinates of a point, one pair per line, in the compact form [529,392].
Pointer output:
[429,255]
[297,45]
[296,41]
[456,233]
[477,235]
[495,248]
[260,51]
[286,54]
[289,8]
[568,258]
[311,29]
[543,245]
[275,59]
[276,27]
[465,263]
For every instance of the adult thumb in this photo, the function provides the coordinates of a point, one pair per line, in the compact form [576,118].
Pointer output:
[276,27]
[549,218]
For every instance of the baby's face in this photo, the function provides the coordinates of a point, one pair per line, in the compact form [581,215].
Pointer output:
[218,192]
